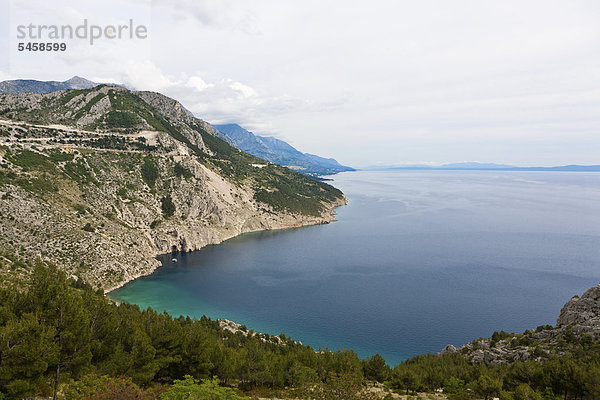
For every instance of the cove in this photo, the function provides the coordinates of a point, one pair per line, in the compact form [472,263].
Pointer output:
[417,260]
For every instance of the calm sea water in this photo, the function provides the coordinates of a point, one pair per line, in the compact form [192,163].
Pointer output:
[417,260]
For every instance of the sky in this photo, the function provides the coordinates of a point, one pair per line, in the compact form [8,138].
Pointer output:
[366,82]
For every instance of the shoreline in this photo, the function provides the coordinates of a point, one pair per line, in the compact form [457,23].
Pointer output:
[328,216]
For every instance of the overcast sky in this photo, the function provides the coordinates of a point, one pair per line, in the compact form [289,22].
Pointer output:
[369,82]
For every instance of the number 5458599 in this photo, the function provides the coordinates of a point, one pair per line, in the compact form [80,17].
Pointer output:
[49,46]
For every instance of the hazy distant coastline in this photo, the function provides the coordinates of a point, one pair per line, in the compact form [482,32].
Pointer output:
[475,166]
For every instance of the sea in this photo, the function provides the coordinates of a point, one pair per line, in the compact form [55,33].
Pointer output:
[416,260]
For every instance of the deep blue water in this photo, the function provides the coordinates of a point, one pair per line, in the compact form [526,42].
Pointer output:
[417,260]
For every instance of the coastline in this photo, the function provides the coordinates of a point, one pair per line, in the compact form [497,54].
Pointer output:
[328,216]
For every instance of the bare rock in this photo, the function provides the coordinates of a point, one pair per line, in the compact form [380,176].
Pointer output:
[582,311]
[449,349]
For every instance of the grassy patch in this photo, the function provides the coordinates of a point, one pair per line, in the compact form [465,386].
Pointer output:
[77,171]
[36,185]
[120,119]
[28,160]
[59,156]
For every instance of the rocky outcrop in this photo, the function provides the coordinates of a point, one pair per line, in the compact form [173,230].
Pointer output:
[236,328]
[505,351]
[449,349]
[582,313]
[579,318]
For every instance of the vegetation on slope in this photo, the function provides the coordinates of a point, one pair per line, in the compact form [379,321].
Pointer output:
[55,331]
[59,335]
[124,112]
[111,196]
[279,187]
[573,375]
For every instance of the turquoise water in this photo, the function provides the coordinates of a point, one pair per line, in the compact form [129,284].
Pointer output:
[417,260]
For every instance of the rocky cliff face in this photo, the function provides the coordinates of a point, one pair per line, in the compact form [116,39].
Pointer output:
[101,181]
[582,313]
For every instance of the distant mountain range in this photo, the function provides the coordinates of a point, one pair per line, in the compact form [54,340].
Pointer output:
[33,86]
[476,166]
[280,152]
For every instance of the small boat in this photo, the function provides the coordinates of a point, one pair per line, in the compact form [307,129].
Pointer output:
[173,260]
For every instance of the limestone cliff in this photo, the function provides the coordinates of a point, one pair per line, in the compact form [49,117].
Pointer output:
[582,313]
[100,181]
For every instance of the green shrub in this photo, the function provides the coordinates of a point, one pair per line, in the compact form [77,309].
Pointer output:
[149,171]
[191,389]
[180,171]
[99,387]
[37,185]
[167,206]
[77,171]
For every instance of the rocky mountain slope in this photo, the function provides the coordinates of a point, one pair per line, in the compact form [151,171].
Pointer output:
[101,180]
[33,86]
[578,323]
[280,152]
[267,148]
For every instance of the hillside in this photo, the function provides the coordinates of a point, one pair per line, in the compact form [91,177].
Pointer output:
[267,148]
[101,180]
[280,152]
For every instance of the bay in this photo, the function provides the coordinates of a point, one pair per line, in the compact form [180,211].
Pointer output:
[417,260]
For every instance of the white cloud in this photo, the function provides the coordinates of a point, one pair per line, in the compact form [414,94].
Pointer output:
[197,83]
[225,100]
[145,75]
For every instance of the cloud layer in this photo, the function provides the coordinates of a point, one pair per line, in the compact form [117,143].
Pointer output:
[391,82]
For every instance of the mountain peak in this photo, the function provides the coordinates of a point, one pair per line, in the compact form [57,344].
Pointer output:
[33,86]
[79,81]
